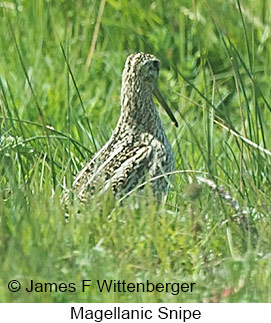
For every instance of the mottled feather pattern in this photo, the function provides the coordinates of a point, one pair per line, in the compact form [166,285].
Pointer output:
[138,148]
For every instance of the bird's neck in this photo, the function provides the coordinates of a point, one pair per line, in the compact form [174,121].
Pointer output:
[138,112]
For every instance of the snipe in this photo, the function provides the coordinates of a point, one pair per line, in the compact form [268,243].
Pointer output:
[138,149]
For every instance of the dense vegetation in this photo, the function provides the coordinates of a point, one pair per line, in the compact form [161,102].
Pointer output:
[60,78]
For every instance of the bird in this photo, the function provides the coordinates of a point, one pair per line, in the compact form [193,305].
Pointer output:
[138,149]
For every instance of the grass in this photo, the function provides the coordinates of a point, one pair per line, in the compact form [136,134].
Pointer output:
[59,99]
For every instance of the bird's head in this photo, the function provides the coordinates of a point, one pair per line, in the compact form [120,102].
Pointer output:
[140,76]
[141,70]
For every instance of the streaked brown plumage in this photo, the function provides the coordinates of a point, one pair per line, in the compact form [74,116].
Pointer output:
[138,148]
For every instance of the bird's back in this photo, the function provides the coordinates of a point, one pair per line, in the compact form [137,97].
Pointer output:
[123,164]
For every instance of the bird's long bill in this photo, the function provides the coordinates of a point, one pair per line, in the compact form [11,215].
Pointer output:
[163,103]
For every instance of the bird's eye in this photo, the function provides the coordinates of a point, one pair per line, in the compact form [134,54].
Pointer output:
[155,64]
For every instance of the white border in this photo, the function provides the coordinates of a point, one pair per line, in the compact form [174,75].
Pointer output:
[210,313]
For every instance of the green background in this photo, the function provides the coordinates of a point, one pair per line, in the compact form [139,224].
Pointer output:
[57,107]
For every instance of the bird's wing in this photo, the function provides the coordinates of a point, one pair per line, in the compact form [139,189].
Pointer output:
[85,173]
[131,172]
[122,170]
